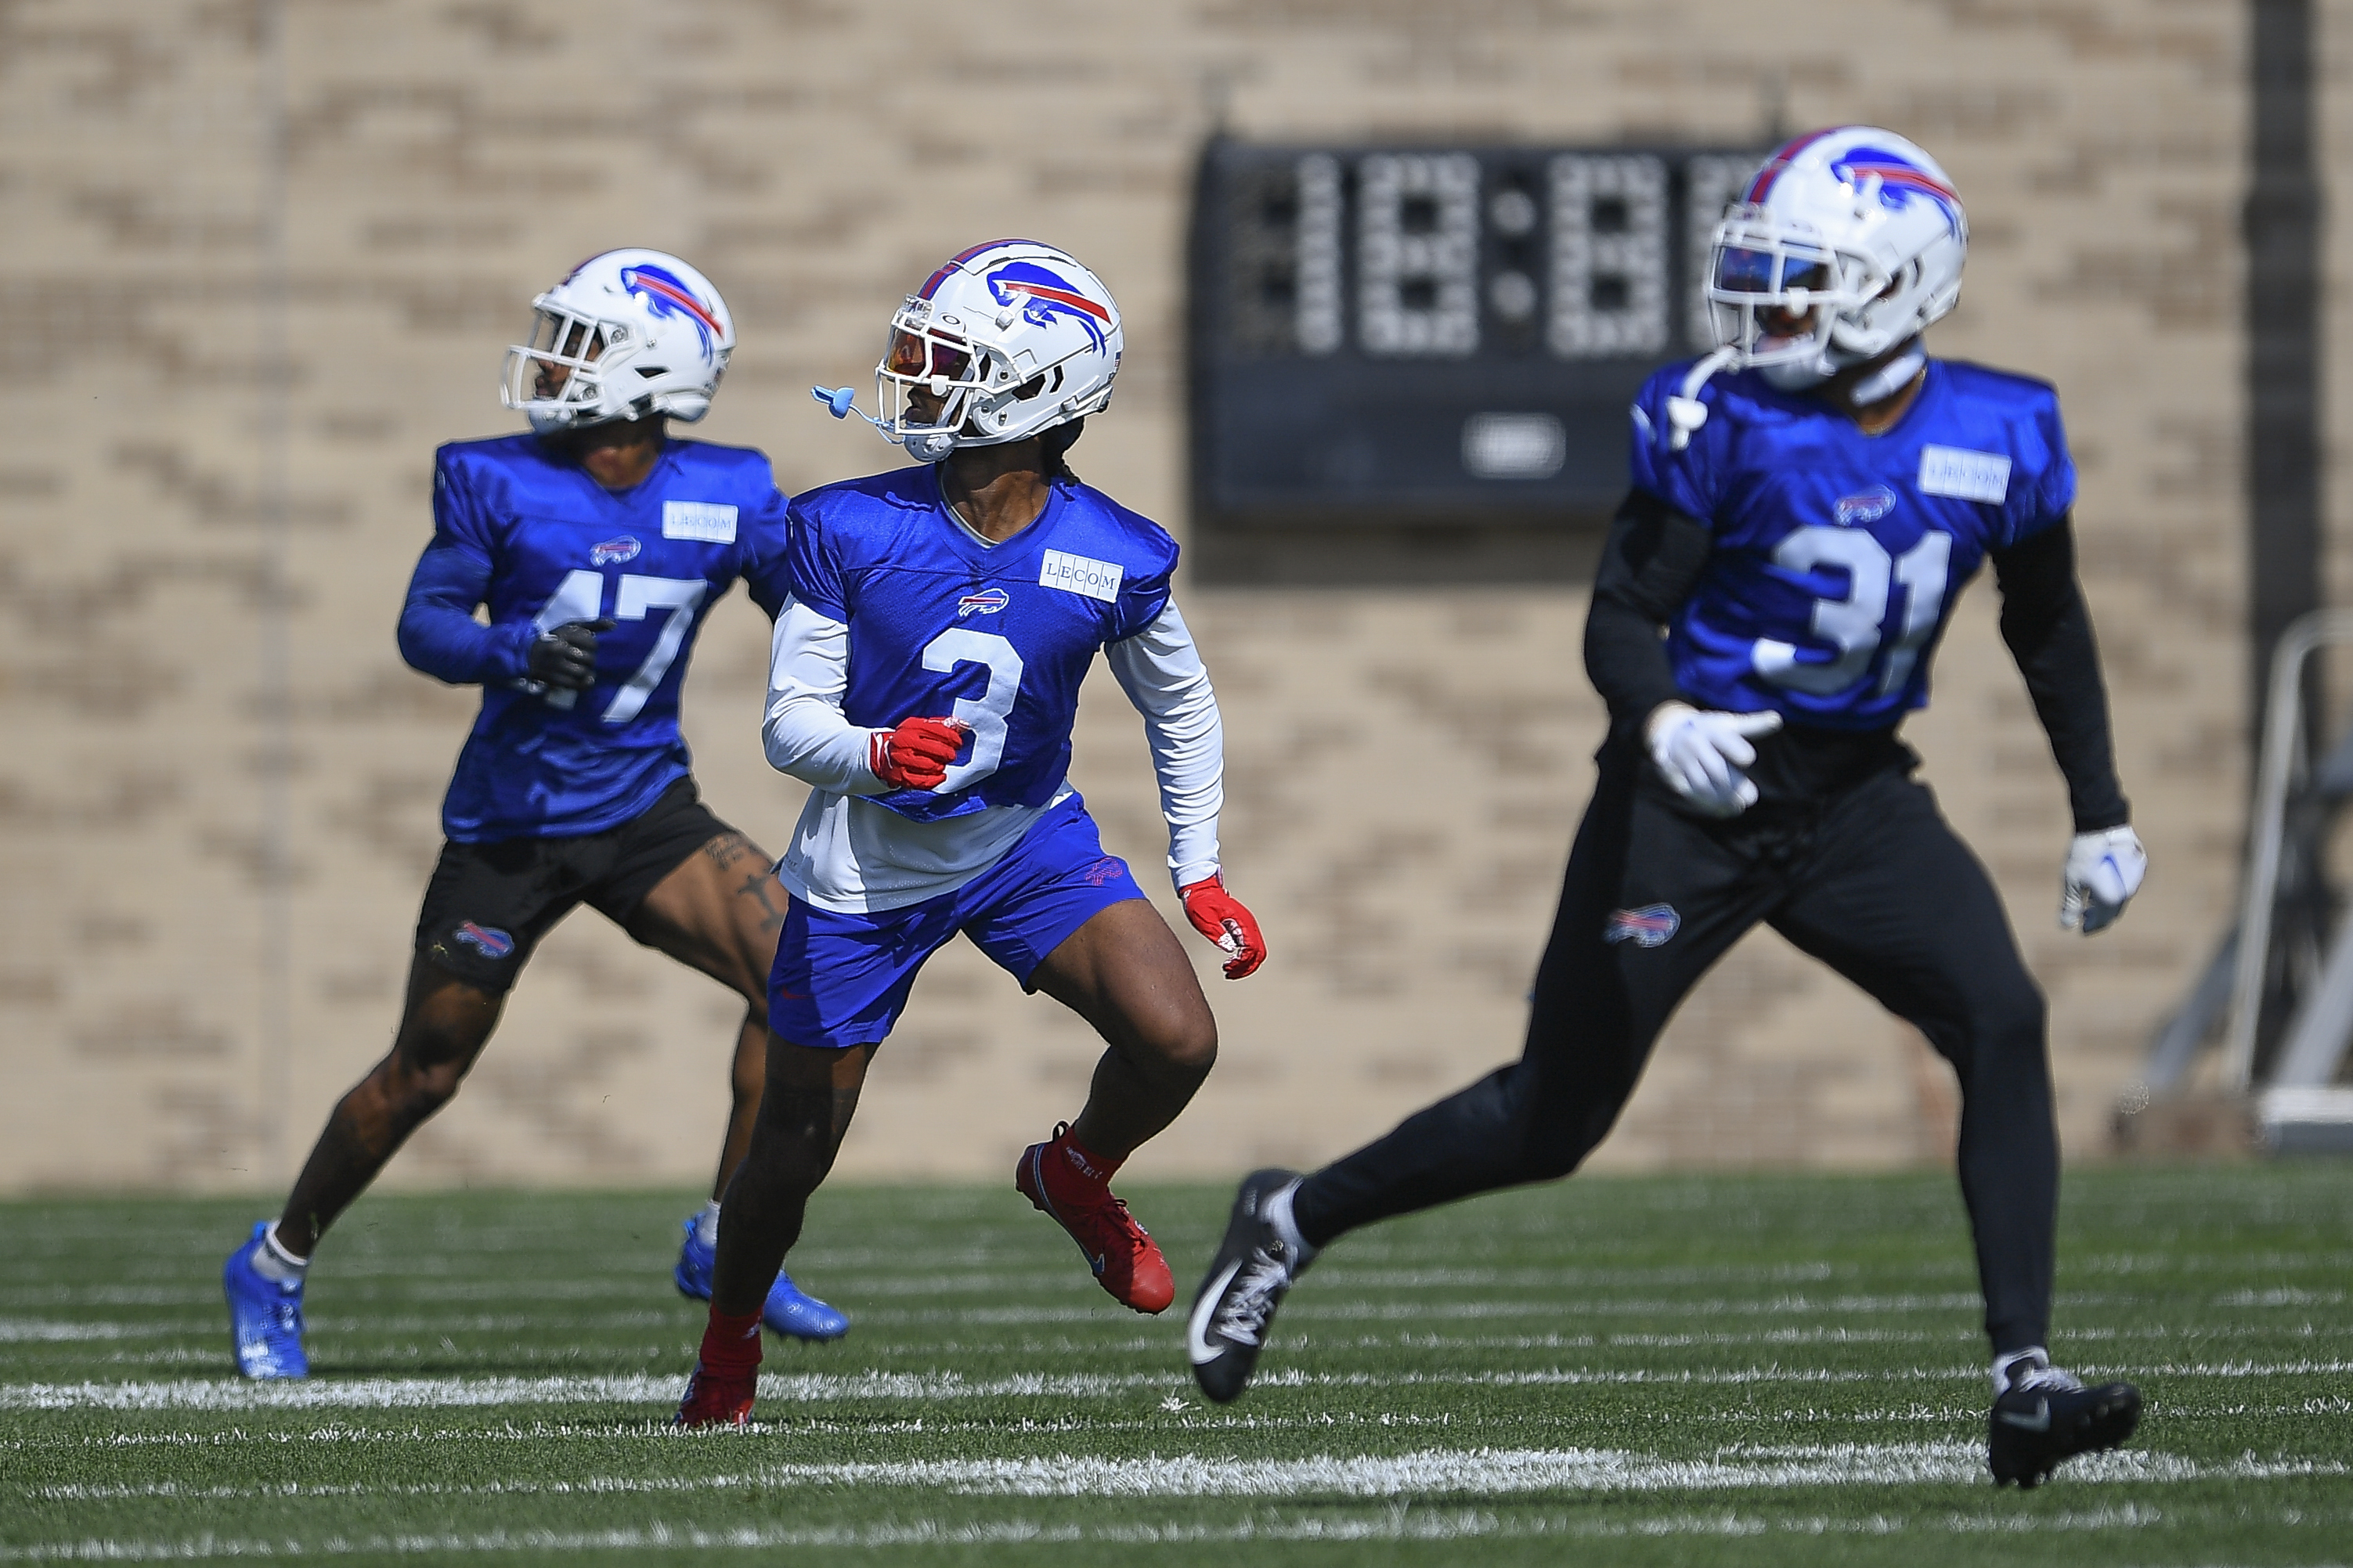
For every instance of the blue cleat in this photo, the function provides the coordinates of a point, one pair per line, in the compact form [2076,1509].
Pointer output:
[265,1317]
[787,1311]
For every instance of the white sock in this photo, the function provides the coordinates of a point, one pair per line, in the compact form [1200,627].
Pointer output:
[1276,1213]
[706,1224]
[272,1261]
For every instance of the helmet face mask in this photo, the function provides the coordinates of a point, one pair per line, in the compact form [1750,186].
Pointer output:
[630,335]
[1008,340]
[1849,243]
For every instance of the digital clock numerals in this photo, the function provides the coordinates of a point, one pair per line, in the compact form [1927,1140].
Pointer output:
[1418,254]
[1608,256]
[1415,255]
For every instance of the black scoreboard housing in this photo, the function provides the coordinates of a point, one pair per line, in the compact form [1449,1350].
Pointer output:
[1408,334]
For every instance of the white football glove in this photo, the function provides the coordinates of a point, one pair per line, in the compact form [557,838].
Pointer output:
[1700,752]
[2103,871]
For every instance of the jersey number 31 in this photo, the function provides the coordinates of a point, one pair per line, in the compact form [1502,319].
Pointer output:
[1853,624]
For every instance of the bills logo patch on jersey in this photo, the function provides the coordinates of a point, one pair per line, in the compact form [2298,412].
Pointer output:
[987,602]
[1872,505]
[613,551]
[488,940]
[1650,926]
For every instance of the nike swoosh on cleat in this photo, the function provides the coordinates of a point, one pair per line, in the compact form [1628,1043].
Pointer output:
[2038,1422]
[1196,1342]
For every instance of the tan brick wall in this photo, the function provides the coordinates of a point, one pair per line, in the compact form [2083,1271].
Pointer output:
[1405,763]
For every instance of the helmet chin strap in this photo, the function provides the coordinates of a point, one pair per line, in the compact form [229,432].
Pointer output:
[1889,378]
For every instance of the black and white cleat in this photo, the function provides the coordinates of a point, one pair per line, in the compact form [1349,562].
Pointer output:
[2043,1416]
[1235,1308]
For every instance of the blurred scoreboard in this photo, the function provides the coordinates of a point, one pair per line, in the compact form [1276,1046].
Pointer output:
[1423,335]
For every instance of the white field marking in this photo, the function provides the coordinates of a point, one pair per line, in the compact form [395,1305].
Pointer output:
[644,1388]
[2281,1298]
[1478,1472]
[1390,1523]
[39,1330]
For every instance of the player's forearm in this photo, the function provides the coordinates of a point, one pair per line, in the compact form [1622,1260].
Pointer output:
[803,731]
[439,636]
[2048,627]
[1161,671]
[1650,560]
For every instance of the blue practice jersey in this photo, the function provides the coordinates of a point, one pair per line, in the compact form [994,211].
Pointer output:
[542,543]
[944,625]
[1839,555]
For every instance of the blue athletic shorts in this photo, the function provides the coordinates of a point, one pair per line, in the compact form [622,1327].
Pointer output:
[843,979]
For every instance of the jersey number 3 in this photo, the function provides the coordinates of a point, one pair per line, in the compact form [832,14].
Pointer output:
[1853,624]
[581,597]
[986,716]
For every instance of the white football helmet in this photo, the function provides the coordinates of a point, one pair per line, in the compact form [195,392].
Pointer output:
[629,335]
[1847,243]
[1012,337]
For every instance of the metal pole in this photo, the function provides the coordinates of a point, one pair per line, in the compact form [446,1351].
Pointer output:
[2284,341]
[273,411]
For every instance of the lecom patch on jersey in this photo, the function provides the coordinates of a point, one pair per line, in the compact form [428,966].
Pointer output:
[1077,575]
[1964,475]
[713,522]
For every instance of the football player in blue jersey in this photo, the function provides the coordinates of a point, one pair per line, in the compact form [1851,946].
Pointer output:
[598,544]
[1807,502]
[924,681]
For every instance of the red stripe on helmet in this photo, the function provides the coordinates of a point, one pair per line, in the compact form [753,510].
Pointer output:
[1059,296]
[1781,158]
[961,257]
[1905,174]
[678,297]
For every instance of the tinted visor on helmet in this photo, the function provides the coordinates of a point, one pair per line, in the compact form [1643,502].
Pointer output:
[918,356]
[1742,271]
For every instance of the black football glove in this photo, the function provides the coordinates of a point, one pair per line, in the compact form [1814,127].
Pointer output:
[565,659]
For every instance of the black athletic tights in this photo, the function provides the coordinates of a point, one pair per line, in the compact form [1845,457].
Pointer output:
[1871,882]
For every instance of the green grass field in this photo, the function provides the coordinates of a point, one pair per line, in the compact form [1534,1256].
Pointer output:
[1714,1369]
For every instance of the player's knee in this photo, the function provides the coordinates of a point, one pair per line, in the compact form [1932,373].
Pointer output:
[1185,1041]
[419,1086]
[2010,1017]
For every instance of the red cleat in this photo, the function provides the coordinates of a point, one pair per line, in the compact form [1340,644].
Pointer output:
[1063,1180]
[718,1398]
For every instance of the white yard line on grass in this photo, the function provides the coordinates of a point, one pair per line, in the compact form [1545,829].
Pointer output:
[1475,1472]
[645,1388]
[1395,1523]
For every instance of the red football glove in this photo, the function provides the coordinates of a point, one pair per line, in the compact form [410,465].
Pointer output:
[1219,916]
[916,755]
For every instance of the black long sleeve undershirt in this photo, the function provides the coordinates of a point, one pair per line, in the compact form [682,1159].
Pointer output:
[1653,558]
[2049,629]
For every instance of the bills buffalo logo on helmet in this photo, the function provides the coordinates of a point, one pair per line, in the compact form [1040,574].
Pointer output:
[1046,294]
[613,551]
[666,295]
[1649,926]
[1869,507]
[1900,181]
[987,602]
[488,940]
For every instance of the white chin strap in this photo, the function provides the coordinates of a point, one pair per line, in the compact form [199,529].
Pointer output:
[1797,376]
[1891,377]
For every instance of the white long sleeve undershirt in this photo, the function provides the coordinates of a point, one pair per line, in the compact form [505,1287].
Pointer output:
[851,855]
